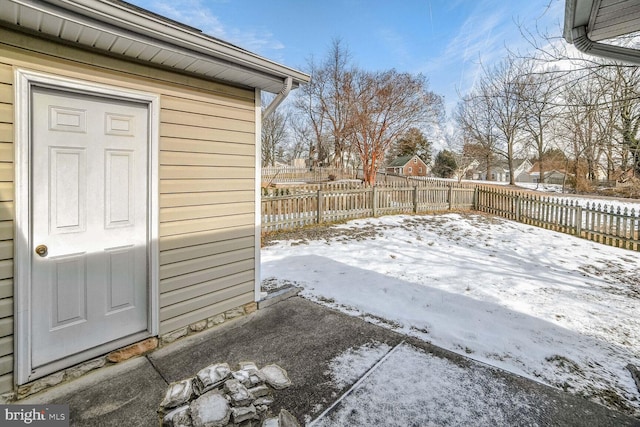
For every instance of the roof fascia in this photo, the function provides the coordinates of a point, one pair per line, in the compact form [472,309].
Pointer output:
[138,24]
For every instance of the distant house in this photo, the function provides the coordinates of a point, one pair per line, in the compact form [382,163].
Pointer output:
[408,166]
[499,172]
[553,173]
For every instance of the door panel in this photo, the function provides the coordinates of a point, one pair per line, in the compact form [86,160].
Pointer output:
[68,290]
[121,272]
[68,188]
[119,189]
[89,207]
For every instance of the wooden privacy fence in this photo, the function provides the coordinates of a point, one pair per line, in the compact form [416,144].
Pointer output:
[604,224]
[291,208]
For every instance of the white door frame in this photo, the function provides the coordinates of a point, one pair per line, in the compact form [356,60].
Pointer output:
[25,80]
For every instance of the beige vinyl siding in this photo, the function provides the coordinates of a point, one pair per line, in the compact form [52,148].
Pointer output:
[207,204]
[6,227]
[206,181]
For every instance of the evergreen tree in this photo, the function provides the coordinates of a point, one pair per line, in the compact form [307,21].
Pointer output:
[412,142]
[444,165]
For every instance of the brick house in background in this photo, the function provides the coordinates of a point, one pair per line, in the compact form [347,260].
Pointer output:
[408,166]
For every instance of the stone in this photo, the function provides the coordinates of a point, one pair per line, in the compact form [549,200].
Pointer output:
[178,417]
[276,377]
[198,326]
[248,366]
[7,398]
[251,307]
[177,394]
[133,350]
[233,313]
[238,393]
[218,397]
[271,422]
[257,379]
[243,377]
[263,401]
[260,409]
[243,413]
[286,419]
[172,336]
[260,391]
[255,376]
[215,320]
[41,384]
[211,377]
[210,410]
[81,369]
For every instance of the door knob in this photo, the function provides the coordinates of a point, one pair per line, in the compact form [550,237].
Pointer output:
[42,250]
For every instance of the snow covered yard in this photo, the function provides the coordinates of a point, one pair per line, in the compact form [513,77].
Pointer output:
[551,307]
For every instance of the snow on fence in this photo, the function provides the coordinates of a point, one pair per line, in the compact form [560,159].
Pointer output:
[291,207]
[613,226]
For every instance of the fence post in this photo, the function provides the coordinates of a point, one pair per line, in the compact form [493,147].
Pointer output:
[374,200]
[320,208]
[450,196]
[476,192]
[579,221]
[415,199]
[518,202]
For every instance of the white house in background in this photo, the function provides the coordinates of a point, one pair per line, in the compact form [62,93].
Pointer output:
[499,172]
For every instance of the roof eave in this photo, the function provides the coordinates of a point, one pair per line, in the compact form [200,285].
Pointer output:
[221,60]
[577,18]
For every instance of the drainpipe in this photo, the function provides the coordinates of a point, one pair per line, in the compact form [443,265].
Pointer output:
[279,98]
[581,40]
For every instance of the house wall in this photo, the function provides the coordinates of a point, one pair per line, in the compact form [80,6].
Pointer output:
[207,182]
[415,168]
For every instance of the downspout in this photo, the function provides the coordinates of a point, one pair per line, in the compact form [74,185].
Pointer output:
[581,40]
[288,83]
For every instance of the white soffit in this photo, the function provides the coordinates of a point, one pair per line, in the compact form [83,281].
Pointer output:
[122,29]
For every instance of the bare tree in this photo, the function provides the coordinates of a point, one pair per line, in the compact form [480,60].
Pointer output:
[476,124]
[626,105]
[324,102]
[538,101]
[580,119]
[505,85]
[302,139]
[274,134]
[383,106]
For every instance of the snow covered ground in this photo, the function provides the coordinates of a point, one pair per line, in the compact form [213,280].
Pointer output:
[560,310]
[408,387]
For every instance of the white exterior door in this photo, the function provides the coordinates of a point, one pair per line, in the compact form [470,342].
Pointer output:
[89,223]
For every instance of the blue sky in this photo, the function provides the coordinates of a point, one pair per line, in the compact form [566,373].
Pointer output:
[445,40]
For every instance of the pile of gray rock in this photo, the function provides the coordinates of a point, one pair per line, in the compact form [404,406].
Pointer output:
[218,397]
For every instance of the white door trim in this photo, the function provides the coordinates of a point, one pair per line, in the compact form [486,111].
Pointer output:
[24,81]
